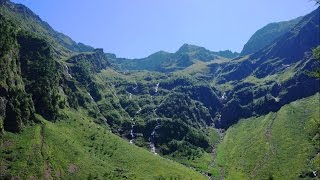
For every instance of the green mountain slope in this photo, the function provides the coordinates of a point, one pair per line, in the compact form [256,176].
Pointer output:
[25,19]
[174,113]
[77,148]
[34,81]
[280,145]
[268,79]
[147,109]
[266,35]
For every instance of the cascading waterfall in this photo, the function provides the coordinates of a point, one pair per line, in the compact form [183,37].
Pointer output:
[153,133]
[139,110]
[224,96]
[132,134]
[67,71]
[136,86]
[131,131]
[276,99]
[223,99]
[152,137]
[90,96]
[157,87]
[219,116]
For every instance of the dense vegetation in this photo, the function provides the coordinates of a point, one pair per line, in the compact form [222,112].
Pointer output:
[16,107]
[68,106]
[316,55]
[40,73]
[77,148]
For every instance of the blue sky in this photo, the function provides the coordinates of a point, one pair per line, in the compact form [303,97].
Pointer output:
[137,28]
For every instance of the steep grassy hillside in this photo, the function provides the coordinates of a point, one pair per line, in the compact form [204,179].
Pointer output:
[280,145]
[25,19]
[266,35]
[75,147]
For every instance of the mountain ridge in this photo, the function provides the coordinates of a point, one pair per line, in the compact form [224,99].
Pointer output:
[162,61]
[78,104]
[266,35]
[20,14]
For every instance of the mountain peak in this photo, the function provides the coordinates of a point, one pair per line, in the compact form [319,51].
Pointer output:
[160,53]
[189,48]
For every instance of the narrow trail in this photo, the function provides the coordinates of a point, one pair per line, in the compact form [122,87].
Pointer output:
[222,173]
[201,172]
[47,167]
[42,139]
[271,151]
[214,154]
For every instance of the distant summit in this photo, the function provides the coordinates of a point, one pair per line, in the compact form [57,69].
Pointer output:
[163,61]
[187,48]
[228,54]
